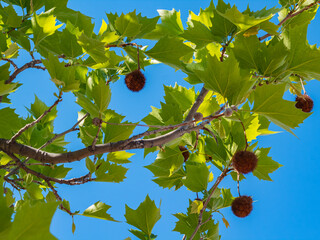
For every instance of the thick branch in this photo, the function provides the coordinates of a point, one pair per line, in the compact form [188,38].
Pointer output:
[56,158]
[289,16]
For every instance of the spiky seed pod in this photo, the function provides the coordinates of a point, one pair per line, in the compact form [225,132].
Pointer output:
[242,206]
[135,80]
[96,121]
[304,102]
[228,112]
[198,116]
[184,152]
[234,108]
[244,161]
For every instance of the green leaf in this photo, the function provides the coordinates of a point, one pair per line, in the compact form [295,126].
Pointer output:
[169,50]
[87,105]
[265,164]
[303,59]
[119,157]
[10,17]
[6,211]
[38,108]
[197,177]
[69,45]
[244,21]
[9,122]
[199,34]
[98,210]
[76,18]
[102,95]
[114,133]
[60,75]
[90,165]
[221,26]
[7,88]
[170,25]
[95,48]
[144,217]
[128,24]
[187,223]
[260,56]
[147,25]
[167,163]
[225,77]
[269,103]
[111,173]
[32,222]
[34,191]
[43,25]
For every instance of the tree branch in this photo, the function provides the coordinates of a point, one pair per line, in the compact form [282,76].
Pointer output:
[35,121]
[213,188]
[68,157]
[289,16]
[31,64]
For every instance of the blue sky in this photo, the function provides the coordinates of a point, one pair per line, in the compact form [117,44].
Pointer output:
[285,209]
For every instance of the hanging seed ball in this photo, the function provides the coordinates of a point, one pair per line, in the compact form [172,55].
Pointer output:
[198,116]
[135,80]
[304,102]
[96,121]
[184,152]
[244,161]
[242,206]
[228,112]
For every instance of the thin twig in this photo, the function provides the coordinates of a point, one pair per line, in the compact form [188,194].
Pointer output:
[212,190]
[123,45]
[238,183]
[96,138]
[37,120]
[73,128]
[302,85]
[31,64]
[289,16]
[244,132]
[11,62]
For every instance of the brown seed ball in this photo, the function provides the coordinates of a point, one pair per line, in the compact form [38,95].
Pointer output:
[135,80]
[184,152]
[198,116]
[242,206]
[304,102]
[96,121]
[244,161]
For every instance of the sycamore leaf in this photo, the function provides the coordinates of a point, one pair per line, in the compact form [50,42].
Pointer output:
[303,59]
[169,50]
[170,25]
[265,58]
[98,210]
[224,77]
[244,21]
[32,222]
[110,173]
[196,206]
[9,122]
[43,25]
[199,34]
[167,163]
[144,217]
[197,177]
[128,24]
[269,103]
[265,164]
[119,157]
[95,48]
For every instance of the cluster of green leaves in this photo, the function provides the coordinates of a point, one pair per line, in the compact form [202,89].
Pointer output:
[219,48]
